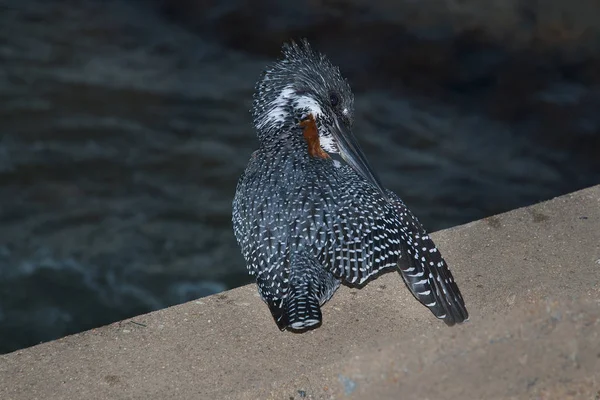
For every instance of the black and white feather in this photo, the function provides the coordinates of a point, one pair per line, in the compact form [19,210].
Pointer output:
[304,223]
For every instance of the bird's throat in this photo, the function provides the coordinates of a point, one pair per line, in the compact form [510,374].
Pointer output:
[311,135]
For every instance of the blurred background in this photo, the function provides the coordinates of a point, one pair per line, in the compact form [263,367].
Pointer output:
[124,126]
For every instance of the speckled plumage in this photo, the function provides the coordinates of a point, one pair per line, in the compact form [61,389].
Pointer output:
[306,223]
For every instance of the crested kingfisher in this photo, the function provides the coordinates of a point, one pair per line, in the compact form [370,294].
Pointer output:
[310,213]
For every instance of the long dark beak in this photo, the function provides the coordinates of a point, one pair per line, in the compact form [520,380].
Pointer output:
[352,153]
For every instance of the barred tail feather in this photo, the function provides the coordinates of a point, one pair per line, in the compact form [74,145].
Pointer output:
[299,310]
[303,309]
[308,288]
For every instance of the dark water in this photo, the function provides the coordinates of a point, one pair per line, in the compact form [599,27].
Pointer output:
[123,133]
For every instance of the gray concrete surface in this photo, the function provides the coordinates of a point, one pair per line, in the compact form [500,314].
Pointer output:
[531,279]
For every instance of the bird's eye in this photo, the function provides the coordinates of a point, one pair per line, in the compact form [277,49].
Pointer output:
[334,99]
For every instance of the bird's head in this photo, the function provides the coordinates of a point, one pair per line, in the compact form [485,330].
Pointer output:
[304,94]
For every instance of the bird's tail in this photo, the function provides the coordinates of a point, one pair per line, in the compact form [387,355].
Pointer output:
[302,307]
[428,277]
[308,287]
[298,310]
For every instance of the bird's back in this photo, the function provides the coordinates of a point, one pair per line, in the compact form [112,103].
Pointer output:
[285,201]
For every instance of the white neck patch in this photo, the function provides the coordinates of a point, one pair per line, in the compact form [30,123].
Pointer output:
[277,113]
[308,103]
[328,143]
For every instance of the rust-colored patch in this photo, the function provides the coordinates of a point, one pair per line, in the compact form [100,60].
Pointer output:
[311,135]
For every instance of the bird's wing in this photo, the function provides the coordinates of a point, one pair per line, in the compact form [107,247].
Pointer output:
[425,271]
[370,234]
[364,236]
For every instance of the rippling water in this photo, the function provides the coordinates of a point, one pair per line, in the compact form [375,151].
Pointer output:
[122,138]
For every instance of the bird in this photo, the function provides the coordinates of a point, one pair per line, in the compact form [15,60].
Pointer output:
[309,213]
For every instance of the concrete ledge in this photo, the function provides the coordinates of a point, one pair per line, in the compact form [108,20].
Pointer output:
[531,279]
